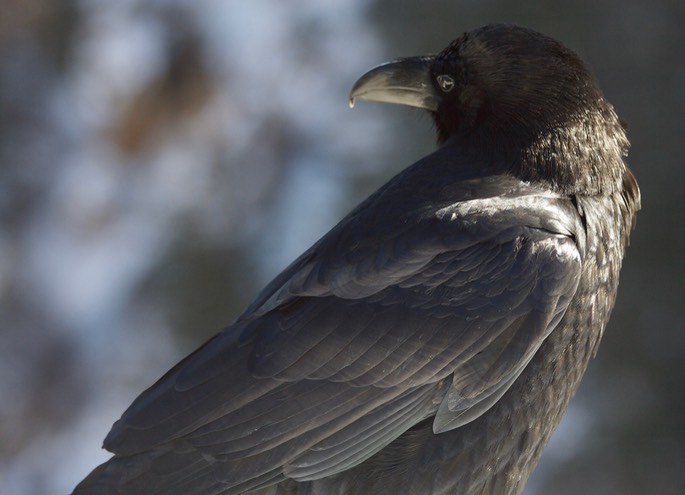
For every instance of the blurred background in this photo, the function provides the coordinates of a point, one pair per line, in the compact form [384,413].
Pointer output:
[160,161]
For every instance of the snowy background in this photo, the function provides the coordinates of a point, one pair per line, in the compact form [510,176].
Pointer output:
[160,161]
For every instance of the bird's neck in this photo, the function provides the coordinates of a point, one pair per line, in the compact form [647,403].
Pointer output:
[583,154]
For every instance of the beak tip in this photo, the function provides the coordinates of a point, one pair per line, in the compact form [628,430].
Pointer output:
[350,102]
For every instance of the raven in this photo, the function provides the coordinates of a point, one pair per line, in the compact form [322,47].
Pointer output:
[431,341]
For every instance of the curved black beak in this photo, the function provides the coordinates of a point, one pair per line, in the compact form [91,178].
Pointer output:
[406,81]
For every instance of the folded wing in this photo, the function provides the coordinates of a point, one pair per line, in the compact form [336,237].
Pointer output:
[361,338]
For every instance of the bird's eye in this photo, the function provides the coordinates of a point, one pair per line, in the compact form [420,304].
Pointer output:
[445,82]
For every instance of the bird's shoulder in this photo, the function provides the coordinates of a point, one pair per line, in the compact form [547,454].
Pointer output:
[443,205]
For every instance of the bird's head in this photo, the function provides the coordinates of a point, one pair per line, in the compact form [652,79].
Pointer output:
[512,92]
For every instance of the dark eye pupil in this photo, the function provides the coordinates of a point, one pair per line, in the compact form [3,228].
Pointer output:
[446,82]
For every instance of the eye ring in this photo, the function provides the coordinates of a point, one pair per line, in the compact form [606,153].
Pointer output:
[446,82]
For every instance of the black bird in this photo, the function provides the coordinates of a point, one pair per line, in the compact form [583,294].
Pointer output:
[430,342]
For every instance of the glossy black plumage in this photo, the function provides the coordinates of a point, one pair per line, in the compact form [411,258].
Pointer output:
[430,342]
